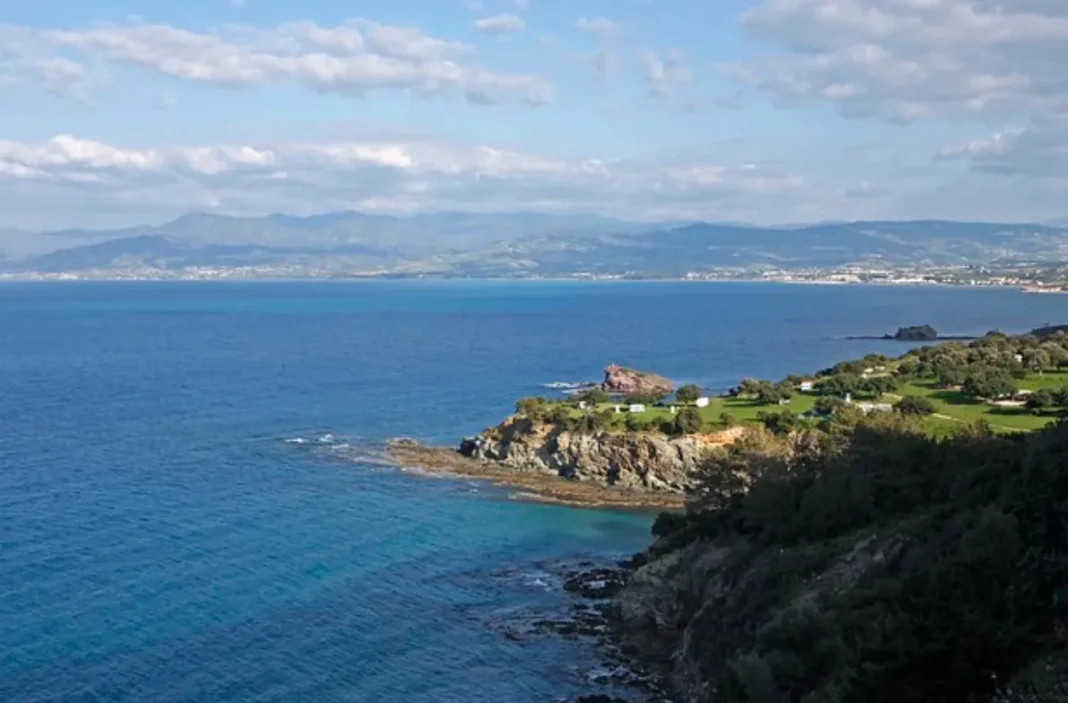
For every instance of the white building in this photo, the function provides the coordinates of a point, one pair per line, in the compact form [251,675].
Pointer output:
[583,405]
[701,402]
[807,386]
[637,408]
[875,407]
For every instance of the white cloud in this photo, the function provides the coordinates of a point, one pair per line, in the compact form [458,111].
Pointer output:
[665,74]
[402,174]
[911,59]
[600,26]
[499,24]
[351,59]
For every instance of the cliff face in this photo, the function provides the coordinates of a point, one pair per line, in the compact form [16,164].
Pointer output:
[639,461]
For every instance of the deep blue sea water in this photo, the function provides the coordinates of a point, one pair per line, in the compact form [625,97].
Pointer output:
[161,541]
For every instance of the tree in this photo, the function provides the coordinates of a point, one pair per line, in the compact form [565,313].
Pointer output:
[988,383]
[688,394]
[1041,399]
[771,395]
[915,406]
[780,423]
[840,385]
[688,421]
[749,387]
[827,405]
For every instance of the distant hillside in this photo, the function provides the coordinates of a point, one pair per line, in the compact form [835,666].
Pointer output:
[519,244]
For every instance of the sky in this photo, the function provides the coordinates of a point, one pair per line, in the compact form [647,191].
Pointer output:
[120,112]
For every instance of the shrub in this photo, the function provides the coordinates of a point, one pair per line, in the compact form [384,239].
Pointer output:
[828,404]
[688,421]
[915,406]
[687,394]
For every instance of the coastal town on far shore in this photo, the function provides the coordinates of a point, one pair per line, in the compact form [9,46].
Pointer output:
[1029,277]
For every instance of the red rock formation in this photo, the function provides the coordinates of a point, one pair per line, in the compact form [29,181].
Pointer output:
[618,379]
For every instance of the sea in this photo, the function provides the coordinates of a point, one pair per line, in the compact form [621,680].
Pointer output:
[174,528]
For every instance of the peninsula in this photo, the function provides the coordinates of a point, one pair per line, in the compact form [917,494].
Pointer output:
[630,441]
[884,530]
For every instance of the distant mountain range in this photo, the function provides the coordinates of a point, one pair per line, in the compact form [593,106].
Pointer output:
[518,244]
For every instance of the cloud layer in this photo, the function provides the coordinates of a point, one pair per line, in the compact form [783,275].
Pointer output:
[354,58]
[399,175]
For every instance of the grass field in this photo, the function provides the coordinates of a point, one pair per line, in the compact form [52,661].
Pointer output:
[952,407]
[952,404]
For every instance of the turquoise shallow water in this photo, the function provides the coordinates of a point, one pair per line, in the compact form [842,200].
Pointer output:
[160,541]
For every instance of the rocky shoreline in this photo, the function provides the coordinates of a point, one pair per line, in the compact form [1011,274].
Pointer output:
[530,485]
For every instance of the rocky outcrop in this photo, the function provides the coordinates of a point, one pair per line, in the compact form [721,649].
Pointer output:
[920,333]
[619,379]
[640,461]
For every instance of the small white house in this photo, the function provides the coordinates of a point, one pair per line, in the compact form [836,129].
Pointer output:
[583,405]
[637,408]
[701,402]
[875,407]
[807,386]
[784,401]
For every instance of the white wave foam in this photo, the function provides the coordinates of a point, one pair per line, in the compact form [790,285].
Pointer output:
[296,440]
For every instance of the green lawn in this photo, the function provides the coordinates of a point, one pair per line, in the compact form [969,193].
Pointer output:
[953,408]
[1047,379]
[963,409]
[742,410]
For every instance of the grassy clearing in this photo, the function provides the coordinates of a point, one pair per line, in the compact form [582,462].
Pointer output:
[960,408]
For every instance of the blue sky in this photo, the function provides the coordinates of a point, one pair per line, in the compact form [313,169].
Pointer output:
[119,112]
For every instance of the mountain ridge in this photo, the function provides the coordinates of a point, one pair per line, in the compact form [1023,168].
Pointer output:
[479,244]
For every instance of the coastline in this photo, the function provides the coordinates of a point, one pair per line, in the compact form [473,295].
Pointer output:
[538,487]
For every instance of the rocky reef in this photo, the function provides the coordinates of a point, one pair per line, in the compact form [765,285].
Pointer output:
[639,461]
[623,381]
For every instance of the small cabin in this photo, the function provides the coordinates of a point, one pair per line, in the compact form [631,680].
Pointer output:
[701,402]
[637,408]
[807,386]
[784,401]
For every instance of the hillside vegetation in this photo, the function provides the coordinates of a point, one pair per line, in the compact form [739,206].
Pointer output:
[864,562]
[1010,383]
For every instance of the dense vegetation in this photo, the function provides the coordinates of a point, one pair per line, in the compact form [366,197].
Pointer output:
[1013,383]
[961,595]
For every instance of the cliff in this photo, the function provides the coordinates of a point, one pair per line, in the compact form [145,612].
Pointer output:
[640,461]
[873,564]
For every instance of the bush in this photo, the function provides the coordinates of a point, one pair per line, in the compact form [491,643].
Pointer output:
[915,406]
[688,421]
[533,408]
[688,394]
[988,383]
[668,523]
[828,404]
[1040,400]
[594,396]
[780,423]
